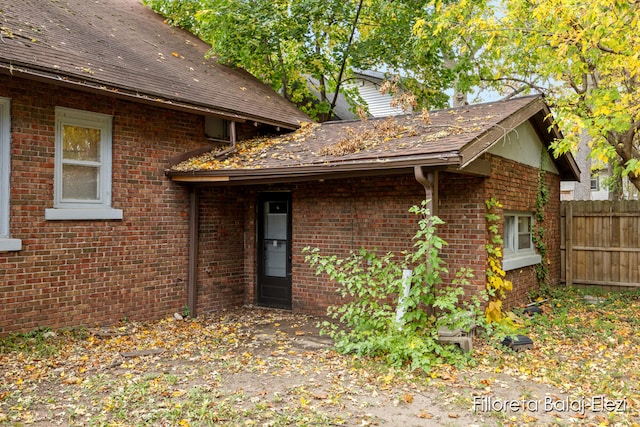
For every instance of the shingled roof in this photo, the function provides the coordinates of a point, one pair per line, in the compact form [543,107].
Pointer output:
[123,48]
[452,139]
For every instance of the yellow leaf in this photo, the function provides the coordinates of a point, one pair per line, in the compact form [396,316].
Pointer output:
[425,415]
[494,311]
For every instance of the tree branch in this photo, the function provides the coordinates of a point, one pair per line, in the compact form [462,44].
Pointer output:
[344,59]
[529,84]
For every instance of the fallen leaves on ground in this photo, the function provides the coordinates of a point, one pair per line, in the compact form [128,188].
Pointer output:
[268,367]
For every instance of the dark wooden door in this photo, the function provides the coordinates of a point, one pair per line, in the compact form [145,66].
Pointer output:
[274,250]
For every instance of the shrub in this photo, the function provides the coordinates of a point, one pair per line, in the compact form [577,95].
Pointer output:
[386,315]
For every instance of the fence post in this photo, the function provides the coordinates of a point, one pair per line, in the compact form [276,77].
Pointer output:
[568,230]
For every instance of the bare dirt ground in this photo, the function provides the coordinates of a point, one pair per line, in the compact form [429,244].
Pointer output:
[272,368]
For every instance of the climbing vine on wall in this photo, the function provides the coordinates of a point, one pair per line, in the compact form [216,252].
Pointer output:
[538,230]
[497,284]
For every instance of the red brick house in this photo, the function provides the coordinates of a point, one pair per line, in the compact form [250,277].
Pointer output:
[95,98]
[132,183]
[343,185]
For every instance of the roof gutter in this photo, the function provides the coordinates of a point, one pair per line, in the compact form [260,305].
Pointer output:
[92,86]
[320,171]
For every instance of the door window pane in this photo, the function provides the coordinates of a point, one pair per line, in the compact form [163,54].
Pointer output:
[275,238]
[275,254]
[275,221]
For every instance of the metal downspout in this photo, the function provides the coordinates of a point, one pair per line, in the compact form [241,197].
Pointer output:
[430,183]
[192,271]
[232,140]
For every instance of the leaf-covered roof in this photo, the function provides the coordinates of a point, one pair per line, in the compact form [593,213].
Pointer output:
[453,137]
[123,48]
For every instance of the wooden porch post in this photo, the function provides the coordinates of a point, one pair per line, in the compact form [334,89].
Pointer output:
[192,271]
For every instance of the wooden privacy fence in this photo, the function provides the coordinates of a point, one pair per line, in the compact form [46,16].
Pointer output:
[600,243]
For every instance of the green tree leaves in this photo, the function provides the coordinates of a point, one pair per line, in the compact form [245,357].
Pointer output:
[308,49]
[583,55]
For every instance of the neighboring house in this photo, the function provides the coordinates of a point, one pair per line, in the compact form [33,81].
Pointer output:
[593,183]
[340,186]
[95,98]
[598,189]
[367,84]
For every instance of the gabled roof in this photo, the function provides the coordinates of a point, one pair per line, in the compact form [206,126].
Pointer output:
[122,48]
[452,139]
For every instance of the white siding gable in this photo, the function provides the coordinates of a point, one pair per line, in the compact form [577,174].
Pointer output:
[523,145]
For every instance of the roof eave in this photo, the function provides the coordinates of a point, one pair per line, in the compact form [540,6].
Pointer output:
[97,86]
[538,113]
[449,160]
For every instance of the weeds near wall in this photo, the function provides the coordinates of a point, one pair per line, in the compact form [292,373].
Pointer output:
[373,321]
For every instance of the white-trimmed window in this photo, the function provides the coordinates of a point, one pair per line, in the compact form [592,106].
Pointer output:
[6,243]
[82,188]
[518,244]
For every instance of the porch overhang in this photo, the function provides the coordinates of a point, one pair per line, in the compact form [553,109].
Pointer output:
[449,162]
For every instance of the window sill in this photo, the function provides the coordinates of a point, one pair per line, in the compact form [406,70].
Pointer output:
[10,245]
[520,261]
[82,214]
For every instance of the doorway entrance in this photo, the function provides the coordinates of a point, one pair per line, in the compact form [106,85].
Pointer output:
[274,250]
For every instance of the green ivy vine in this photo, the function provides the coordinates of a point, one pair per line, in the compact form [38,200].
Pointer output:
[538,231]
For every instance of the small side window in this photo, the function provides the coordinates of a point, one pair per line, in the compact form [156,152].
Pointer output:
[518,243]
[216,128]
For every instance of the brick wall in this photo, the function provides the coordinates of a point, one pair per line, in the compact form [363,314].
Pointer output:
[223,255]
[461,207]
[344,215]
[516,185]
[338,216]
[85,272]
